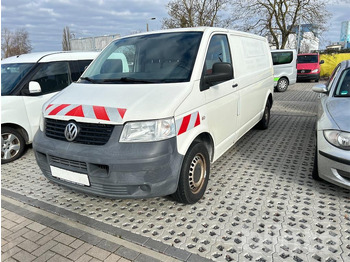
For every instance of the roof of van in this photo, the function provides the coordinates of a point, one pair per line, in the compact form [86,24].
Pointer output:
[49,57]
[204,29]
[283,50]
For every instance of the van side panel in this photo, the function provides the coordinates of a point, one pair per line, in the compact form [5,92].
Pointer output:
[253,74]
[287,70]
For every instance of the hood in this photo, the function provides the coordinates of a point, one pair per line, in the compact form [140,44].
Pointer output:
[307,66]
[339,109]
[117,103]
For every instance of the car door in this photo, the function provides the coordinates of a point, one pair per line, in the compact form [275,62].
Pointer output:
[221,98]
[52,77]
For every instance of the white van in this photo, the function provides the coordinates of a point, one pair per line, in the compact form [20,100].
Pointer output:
[152,130]
[27,82]
[285,68]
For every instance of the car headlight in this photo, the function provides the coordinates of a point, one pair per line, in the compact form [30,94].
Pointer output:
[338,138]
[148,131]
[314,71]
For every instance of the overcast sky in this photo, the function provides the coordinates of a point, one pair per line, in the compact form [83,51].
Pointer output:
[45,19]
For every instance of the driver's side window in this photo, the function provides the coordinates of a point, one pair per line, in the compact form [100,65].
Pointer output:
[218,51]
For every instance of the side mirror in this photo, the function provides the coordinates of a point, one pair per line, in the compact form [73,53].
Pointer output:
[221,72]
[321,62]
[34,87]
[320,88]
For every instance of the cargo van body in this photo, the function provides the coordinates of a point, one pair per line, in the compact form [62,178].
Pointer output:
[285,68]
[308,66]
[154,128]
[27,82]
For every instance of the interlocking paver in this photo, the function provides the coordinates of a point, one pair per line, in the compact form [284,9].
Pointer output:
[36,227]
[261,202]
[62,249]
[80,251]
[112,258]
[44,248]
[64,239]
[98,253]
[28,245]
[23,256]
[45,256]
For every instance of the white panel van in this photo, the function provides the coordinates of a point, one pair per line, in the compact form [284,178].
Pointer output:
[27,82]
[154,127]
[285,68]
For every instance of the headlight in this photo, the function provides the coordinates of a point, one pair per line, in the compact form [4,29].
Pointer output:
[41,122]
[314,71]
[338,138]
[148,131]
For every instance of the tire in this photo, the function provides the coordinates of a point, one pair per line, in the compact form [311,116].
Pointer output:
[12,145]
[315,174]
[264,122]
[194,175]
[282,84]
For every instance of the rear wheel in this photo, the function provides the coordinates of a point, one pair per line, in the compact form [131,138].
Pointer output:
[194,175]
[264,122]
[12,145]
[282,85]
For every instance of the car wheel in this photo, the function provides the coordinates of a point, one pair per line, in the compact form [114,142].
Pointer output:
[264,122]
[194,175]
[315,174]
[12,145]
[282,85]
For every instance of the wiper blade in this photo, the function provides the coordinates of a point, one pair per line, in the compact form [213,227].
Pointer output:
[89,79]
[126,80]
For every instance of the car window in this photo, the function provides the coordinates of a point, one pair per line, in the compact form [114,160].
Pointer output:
[155,58]
[331,78]
[77,68]
[52,77]
[343,85]
[280,58]
[218,51]
[12,74]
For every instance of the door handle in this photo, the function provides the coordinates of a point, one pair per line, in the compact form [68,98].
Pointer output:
[234,85]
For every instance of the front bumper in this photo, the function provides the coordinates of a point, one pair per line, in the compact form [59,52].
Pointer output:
[116,170]
[308,77]
[333,163]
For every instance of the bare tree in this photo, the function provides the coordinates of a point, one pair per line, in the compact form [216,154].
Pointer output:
[14,43]
[67,36]
[191,13]
[278,19]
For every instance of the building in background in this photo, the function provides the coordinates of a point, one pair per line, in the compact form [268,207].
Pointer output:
[345,34]
[95,43]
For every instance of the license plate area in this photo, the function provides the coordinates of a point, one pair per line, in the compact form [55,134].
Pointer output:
[70,176]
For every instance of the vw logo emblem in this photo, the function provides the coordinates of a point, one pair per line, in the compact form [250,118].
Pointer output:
[302,71]
[71,131]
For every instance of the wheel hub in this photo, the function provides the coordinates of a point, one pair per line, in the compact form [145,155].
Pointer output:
[197,173]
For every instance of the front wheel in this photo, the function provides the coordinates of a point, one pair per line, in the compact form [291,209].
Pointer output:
[12,145]
[282,85]
[315,174]
[194,175]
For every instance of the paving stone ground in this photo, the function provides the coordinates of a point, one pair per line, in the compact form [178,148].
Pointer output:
[261,203]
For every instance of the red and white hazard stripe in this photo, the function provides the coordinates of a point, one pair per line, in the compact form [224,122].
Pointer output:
[87,111]
[187,122]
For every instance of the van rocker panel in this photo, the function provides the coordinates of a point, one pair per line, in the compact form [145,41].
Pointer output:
[115,170]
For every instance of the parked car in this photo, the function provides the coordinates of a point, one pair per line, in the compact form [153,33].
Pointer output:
[285,68]
[27,82]
[308,66]
[153,127]
[332,156]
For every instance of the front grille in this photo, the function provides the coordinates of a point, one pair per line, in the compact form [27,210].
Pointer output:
[304,71]
[68,164]
[90,134]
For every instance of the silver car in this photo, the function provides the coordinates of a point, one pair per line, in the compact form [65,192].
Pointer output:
[332,156]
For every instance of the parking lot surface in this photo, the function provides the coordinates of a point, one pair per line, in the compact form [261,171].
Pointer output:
[261,203]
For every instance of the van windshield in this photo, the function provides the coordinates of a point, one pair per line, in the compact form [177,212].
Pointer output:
[154,58]
[304,59]
[12,74]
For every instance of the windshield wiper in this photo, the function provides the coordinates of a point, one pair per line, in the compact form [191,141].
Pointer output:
[89,79]
[127,80]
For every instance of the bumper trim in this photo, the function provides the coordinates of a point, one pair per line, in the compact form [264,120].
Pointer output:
[334,158]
